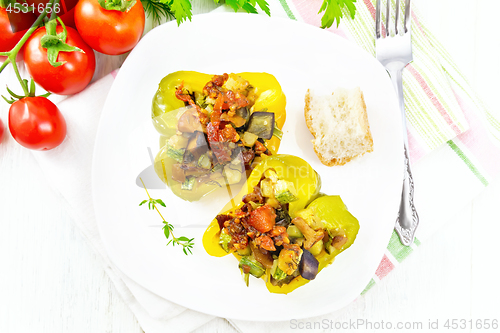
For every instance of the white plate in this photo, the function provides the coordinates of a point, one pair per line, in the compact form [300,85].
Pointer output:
[301,57]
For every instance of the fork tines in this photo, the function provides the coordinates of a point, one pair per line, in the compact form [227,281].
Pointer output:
[379,31]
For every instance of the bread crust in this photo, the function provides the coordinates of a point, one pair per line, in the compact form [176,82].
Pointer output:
[336,160]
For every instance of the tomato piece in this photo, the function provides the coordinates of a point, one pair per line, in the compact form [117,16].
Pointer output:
[1,131]
[12,28]
[262,218]
[36,123]
[71,77]
[109,31]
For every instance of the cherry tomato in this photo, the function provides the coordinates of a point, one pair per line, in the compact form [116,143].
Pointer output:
[36,123]
[67,79]
[109,31]
[65,9]
[12,28]
[1,131]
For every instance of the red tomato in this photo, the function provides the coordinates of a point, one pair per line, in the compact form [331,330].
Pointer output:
[67,79]
[109,31]
[12,28]
[1,131]
[65,10]
[36,123]
[262,218]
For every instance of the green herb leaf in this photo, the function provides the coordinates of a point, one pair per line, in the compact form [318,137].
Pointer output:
[181,9]
[166,230]
[157,10]
[264,6]
[160,202]
[333,11]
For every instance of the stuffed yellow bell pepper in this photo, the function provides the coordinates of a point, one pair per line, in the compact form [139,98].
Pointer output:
[214,127]
[279,227]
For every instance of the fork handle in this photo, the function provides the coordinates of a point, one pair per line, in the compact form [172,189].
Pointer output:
[407,220]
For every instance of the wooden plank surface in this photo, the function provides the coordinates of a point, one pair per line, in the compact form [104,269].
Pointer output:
[51,281]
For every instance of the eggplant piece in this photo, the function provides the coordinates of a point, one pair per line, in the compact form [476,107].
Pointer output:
[187,158]
[243,113]
[178,173]
[262,256]
[189,122]
[261,124]
[283,219]
[308,266]
[191,170]
[197,145]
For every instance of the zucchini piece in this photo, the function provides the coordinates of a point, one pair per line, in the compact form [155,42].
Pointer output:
[175,154]
[294,232]
[256,268]
[267,188]
[199,99]
[245,252]
[261,124]
[224,240]
[316,248]
[309,215]
[249,139]
[255,205]
[236,83]
[284,192]
[233,176]
[279,274]
[178,141]
[204,162]
[188,183]
[271,174]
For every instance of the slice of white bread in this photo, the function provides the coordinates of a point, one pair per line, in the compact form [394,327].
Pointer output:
[339,124]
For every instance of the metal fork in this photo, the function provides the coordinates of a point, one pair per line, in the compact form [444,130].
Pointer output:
[393,48]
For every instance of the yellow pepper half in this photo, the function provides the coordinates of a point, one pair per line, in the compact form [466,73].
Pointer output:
[330,209]
[270,98]
[267,96]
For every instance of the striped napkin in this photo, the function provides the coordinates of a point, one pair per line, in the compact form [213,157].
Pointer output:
[454,147]
[451,133]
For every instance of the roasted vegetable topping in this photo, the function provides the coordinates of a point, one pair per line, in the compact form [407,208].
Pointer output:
[293,240]
[215,118]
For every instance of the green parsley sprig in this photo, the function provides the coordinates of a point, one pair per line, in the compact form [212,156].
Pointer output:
[182,9]
[333,11]
[186,243]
